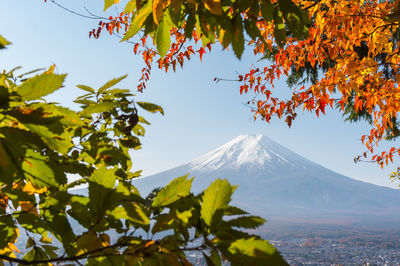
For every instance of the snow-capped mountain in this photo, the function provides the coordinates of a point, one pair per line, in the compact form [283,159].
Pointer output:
[277,183]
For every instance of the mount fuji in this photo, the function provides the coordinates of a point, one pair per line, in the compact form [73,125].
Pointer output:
[281,185]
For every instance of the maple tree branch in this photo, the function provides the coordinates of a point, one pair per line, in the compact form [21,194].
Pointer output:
[76,13]
[381,26]
[312,5]
[180,46]
[216,79]
[85,255]
[94,15]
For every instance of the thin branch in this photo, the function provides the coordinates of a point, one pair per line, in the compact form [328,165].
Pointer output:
[94,15]
[86,255]
[74,12]
[312,5]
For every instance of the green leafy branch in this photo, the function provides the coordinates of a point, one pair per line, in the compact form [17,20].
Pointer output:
[42,142]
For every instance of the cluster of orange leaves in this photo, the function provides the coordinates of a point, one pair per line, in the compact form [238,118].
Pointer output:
[338,27]
[25,206]
[114,24]
[179,50]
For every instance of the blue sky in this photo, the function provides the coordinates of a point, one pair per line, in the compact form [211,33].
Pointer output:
[200,115]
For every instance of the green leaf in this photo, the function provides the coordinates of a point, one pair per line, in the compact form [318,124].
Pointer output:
[31,222]
[108,3]
[86,88]
[163,38]
[139,130]
[8,231]
[184,216]
[232,210]
[41,171]
[245,4]
[206,24]
[226,33]
[30,242]
[87,242]
[53,135]
[254,251]
[51,123]
[59,227]
[3,42]
[131,142]
[216,196]
[214,259]
[85,102]
[98,108]
[109,84]
[36,253]
[66,116]
[247,222]
[267,10]
[144,121]
[163,222]
[51,251]
[101,188]
[138,20]
[252,30]
[40,85]
[208,260]
[176,8]
[80,212]
[214,6]
[106,261]
[237,36]
[135,174]
[279,28]
[176,189]
[150,107]
[296,19]
[15,144]
[7,168]
[130,6]
[4,98]
[189,27]
[132,212]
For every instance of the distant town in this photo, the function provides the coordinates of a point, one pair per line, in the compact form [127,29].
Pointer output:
[336,245]
[303,251]
[330,245]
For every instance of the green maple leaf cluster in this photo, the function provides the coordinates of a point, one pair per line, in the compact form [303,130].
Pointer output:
[41,143]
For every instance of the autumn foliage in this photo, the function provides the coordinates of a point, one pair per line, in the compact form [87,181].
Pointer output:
[347,60]
[354,48]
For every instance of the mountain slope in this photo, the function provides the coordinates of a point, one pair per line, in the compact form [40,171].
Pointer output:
[280,184]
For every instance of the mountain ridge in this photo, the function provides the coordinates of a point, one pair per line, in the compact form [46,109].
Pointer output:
[276,182]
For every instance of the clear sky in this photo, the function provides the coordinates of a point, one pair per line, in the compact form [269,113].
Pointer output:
[200,115]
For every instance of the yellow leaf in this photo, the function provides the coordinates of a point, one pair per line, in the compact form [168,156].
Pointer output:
[13,247]
[30,189]
[108,3]
[151,242]
[105,240]
[46,239]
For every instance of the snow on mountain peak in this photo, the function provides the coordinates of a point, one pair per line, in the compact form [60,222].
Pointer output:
[247,150]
